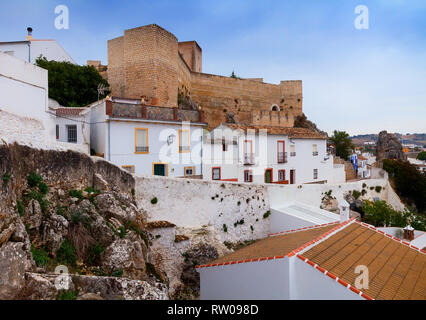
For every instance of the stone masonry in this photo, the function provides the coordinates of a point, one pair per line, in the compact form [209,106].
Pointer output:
[148,62]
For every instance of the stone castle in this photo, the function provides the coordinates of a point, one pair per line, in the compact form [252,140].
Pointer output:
[149,63]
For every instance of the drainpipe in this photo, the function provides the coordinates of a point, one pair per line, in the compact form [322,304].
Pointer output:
[109,141]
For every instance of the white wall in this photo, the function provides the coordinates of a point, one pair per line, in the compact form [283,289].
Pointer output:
[264,280]
[122,146]
[304,162]
[48,48]
[282,222]
[189,203]
[307,283]
[313,193]
[83,129]
[98,129]
[24,90]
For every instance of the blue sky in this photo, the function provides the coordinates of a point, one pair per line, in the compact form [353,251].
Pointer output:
[360,81]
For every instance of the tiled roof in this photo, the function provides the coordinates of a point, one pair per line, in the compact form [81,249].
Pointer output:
[276,246]
[70,112]
[295,133]
[396,270]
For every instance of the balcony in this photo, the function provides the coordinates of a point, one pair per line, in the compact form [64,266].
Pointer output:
[315,153]
[248,159]
[142,149]
[282,157]
[183,149]
[292,154]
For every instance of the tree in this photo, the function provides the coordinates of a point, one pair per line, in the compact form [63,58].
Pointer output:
[72,85]
[342,143]
[234,76]
[421,155]
[410,183]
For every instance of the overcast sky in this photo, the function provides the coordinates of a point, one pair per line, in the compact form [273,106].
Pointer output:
[360,81]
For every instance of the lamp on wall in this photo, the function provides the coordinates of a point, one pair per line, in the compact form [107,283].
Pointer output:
[170,139]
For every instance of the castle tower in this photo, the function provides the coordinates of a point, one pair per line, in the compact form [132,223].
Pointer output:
[143,63]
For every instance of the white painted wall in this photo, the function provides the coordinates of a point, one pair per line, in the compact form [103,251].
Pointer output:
[24,90]
[189,203]
[83,129]
[264,280]
[98,128]
[48,48]
[265,151]
[307,283]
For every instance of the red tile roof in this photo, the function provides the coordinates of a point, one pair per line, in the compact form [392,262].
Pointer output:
[70,112]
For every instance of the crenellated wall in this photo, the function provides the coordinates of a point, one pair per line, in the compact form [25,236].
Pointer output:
[149,62]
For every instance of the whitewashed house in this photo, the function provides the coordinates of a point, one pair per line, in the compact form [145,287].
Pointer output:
[72,125]
[266,154]
[149,140]
[30,49]
[323,262]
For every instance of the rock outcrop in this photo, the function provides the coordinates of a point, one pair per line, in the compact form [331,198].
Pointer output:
[303,122]
[389,147]
[70,218]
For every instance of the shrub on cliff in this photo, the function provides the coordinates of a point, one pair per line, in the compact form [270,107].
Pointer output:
[410,184]
[72,85]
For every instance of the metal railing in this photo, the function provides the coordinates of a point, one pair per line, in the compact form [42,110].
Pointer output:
[292,154]
[142,149]
[248,158]
[184,148]
[315,153]
[282,157]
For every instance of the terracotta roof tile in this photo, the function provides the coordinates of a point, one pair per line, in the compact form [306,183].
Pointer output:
[294,133]
[276,246]
[396,271]
[70,112]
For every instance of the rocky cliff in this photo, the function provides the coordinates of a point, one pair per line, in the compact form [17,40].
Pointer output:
[70,229]
[389,147]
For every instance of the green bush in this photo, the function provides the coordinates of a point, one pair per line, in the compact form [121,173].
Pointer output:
[43,188]
[266,214]
[76,194]
[67,254]
[154,200]
[117,273]
[410,184]
[20,207]
[381,214]
[94,254]
[40,256]
[378,189]
[67,295]
[6,178]
[356,194]
[34,179]
[225,228]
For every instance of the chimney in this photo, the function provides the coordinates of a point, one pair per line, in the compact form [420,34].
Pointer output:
[344,211]
[409,233]
[30,34]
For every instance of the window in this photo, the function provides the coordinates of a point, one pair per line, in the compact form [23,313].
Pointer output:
[314,150]
[141,141]
[248,152]
[189,171]
[224,146]
[160,169]
[281,175]
[215,173]
[315,173]
[129,169]
[292,150]
[248,176]
[57,132]
[184,145]
[281,152]
[72,133]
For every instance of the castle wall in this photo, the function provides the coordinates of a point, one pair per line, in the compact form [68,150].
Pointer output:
[250,101]
[149,62]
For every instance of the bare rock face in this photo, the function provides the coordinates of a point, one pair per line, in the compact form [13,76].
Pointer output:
[126,255]
[303,122]
[14,262]
[389,147]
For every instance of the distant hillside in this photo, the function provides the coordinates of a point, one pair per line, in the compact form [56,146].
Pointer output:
[410,138]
